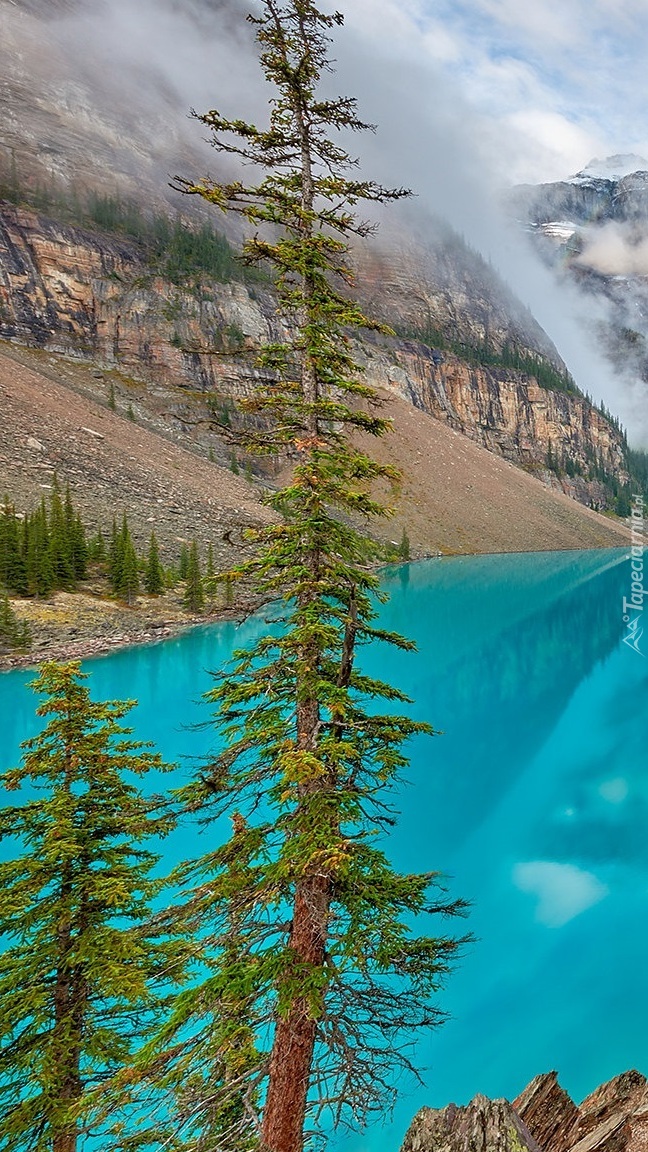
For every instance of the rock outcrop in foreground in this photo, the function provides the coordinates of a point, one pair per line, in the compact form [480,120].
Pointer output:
[543,1118]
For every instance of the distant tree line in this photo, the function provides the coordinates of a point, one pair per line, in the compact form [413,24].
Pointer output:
[619,495]
[43,550]
[486,354]
[48,550]
[174,247]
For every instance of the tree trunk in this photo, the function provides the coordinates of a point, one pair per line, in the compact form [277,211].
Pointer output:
[65,1141]
[69,998]
[66,1046]
[294,1039]
[294,1042]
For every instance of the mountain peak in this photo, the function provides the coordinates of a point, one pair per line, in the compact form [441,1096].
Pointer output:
[613,167]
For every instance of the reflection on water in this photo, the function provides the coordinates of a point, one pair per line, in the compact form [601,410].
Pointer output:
[534,801]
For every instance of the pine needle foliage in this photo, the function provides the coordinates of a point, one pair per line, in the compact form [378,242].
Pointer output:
[123,568]
[80,973]
[194,597]
[307,929]
[44,549]
[14,633]
[154,572]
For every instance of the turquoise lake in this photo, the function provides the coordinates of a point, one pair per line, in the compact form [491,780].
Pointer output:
[533,802]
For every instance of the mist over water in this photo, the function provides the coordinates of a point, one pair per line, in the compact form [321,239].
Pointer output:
[533,801]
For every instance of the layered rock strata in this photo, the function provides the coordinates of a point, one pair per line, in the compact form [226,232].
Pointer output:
[91,296]
[543,1118]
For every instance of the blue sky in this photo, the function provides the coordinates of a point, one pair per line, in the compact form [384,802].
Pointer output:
[552,83]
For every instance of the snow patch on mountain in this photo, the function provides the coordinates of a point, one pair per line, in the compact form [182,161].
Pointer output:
[612,168]
[557,229]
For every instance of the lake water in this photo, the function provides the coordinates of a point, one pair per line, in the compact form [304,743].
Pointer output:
[534,802]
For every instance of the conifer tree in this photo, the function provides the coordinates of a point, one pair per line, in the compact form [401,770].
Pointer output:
[38,561]
[14,633]
[59,541]
[75,538]
[194,597]
[97,548]
[13,575]
[154,574]
[129,578]
[183,566]
[404,550]
[115,556]
[123,569]
[210,572]
[307,923]
[81,973]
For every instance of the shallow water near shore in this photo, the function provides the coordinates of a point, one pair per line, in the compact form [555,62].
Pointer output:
[533,802]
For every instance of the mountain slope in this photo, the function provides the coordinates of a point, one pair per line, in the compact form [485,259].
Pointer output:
[185,340]
[592,229]
[57,419]
[96,120]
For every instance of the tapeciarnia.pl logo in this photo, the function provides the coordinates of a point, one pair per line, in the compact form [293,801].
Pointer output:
[634,606]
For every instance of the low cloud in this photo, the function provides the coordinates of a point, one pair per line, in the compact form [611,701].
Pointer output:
[614,249]
[460,110]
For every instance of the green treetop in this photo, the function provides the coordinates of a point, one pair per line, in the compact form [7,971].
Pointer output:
[308,923]
[123,568]
[194,597]
[79,970]
[154,573]
[59,541]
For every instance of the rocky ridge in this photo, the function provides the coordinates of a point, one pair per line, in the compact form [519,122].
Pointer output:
[89,295]
[543,1118]
[593,230]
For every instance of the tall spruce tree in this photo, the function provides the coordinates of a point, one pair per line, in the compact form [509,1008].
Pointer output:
[14,633]
[77,547]
[13,575]
[59,541]
[183,564]
[80,971]
[123,569]
[129,581]
[154,573]
[38,563]
[194,597]
[306,926]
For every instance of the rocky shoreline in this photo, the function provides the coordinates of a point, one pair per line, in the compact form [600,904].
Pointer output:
[80,625]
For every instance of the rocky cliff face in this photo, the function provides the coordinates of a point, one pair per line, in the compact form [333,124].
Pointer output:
[92,296]
[505,412]
[593,229]
[542,1119]
[482,1126]
[613,1119]
[436,281]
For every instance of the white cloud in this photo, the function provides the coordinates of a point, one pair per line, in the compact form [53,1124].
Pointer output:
[615,250]
[614,791]
[562,890]
[553,143]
